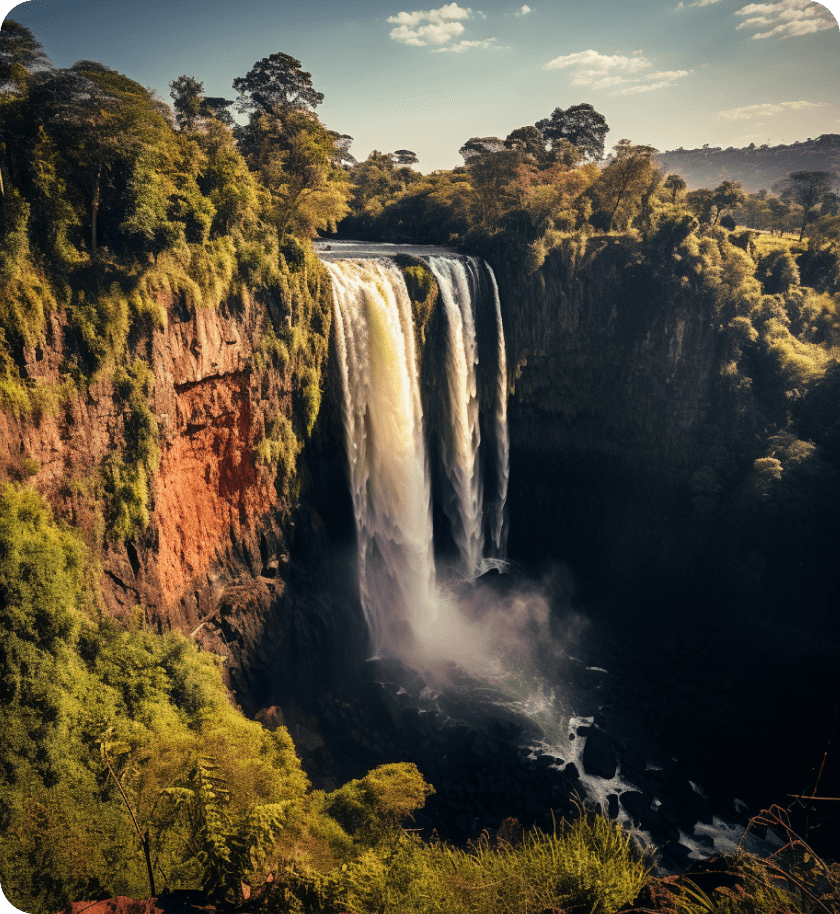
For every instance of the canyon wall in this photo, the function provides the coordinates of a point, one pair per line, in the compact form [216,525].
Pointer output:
[639,423]
[231,557]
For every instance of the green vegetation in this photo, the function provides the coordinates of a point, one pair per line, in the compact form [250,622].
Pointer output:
[105,728]
[754,166]
[110,214]
[422,290]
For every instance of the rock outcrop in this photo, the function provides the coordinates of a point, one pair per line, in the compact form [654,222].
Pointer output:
[214,562]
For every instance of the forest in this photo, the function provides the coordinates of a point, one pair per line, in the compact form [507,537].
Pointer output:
[127,765]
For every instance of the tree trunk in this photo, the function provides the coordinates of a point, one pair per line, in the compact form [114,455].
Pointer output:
[804,223]
[94,211]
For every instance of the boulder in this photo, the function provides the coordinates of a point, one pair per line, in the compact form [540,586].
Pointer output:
[598,755]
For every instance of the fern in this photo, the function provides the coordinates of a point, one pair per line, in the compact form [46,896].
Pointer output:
[227,849]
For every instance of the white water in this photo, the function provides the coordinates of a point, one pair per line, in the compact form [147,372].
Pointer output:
[383,422]
[502,439]
[406,611]
[460,437]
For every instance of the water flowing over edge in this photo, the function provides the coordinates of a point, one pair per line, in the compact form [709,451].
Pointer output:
[388,464]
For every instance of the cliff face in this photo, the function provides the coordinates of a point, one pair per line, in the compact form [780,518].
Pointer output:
[229,556]
[637,426]
[613,385]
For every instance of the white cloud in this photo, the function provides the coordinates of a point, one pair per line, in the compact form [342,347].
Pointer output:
[608,81]
[423,27]
[440,27]
[683,6]
[590,66]
[788,18]
[751,112]
[603,71]
[524,11]
[669,75]
[645,87]
[466,45]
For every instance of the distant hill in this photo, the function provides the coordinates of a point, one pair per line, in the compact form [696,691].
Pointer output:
[756,167]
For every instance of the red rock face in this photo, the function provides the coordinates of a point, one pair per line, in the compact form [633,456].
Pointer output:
[208,484]
[210,503]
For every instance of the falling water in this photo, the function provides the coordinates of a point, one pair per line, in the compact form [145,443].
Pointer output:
[460,436]
[386,442]
[502,440]
[383,421]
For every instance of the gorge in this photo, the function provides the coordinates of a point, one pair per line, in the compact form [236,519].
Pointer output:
[373,540]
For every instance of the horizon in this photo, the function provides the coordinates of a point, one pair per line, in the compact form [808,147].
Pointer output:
[669,74]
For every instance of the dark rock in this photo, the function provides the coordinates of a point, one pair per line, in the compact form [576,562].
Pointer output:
[598,755]
[637,805]
[632,764]
[571,771]
[612,805]
[271,718]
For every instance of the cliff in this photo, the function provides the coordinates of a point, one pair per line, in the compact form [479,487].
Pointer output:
[230,551]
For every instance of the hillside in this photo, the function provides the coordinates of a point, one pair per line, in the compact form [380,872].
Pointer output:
[756,167]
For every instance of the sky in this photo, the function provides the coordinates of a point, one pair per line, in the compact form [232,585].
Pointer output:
[395,76]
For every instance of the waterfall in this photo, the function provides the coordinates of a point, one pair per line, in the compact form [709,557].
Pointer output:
[385,439]
[460,435]
[502,439]
[383,423]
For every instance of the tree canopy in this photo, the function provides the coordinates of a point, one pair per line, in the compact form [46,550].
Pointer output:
[581,125]
[807,188]
[274,84]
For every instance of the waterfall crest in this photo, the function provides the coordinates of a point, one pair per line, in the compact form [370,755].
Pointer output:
[386,440]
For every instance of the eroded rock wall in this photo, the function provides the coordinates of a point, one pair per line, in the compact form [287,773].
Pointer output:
[229,557]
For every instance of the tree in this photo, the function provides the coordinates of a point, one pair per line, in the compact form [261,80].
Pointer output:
[480,145]
[676,185]
[193,108]
[581,125]
[779,214]
[217,108]
[830,205]
[275,84]
[725,196]
[405,157]
[807,188]
[628,174]
[113,137]
[187,94]
[492,167]
[298,160]
[21,55]
[700,203]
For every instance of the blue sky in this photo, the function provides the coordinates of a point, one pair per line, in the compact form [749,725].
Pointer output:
[396,74]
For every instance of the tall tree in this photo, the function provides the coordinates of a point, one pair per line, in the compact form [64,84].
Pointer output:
[193,107]
[701,203]
[581,125]
[627,175]
[727,195]
[21,54]
[807,188]
[187,95]
[676,185]
[274,84]
[531,143]
[405,157]
[104,123]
